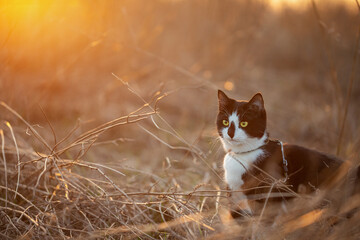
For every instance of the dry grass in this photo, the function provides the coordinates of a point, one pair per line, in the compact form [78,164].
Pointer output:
[108,114]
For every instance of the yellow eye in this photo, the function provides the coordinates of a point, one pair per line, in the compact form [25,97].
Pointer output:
[226,122]
[244,124]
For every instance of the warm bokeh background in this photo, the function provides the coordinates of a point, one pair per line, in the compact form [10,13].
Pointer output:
[61,56]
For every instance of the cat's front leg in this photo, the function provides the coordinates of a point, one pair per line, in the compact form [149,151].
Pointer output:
[233,177]
[239,206]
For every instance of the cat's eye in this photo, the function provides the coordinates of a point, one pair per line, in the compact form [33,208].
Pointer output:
[243,124]
[225,122]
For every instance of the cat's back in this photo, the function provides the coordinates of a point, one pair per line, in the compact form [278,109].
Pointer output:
[309,166]
[299,155]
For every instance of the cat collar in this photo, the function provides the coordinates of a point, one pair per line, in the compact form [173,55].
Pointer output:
[285,162]
[266,142]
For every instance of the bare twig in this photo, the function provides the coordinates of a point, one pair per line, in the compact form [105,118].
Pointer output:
[18,157]
[191,147]
[50,125]
[37,135]
[101,129]
[5,168]
[40,175]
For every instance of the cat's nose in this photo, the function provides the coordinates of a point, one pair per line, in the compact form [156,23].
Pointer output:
[231,130]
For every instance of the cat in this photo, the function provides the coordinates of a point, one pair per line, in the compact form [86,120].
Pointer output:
[252,158]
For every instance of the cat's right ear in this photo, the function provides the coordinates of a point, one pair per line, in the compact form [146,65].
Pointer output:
[223,99]
[257,101]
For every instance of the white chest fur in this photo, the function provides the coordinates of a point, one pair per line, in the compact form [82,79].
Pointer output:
[235,165]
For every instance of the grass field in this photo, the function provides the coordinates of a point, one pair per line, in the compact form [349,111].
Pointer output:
[108,114]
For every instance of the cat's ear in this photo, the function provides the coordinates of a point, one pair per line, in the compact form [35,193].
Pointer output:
[223,99]
[257,101]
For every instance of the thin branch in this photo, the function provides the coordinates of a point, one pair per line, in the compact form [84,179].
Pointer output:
[18,157]
[193,149]
[5,168]
[49,123]
[37,135]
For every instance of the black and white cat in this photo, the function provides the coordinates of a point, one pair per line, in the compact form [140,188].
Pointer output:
[242,129]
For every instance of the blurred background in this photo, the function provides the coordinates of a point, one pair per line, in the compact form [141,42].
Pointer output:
[61,61]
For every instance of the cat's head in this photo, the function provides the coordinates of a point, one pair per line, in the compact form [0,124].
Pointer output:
[241,124]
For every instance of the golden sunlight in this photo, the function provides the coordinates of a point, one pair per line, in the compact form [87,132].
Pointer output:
[301,4]
[229,85]
[21,9]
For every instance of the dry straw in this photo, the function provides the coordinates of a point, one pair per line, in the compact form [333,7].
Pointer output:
[59,197]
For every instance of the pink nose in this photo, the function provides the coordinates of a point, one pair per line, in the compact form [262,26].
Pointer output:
[231,130]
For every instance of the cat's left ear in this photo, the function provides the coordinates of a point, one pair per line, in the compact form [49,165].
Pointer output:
[223,99]
[257,101]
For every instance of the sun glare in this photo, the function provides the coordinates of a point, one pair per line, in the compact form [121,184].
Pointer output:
[279,3]
[36,8]
[16,10]
[303,4]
